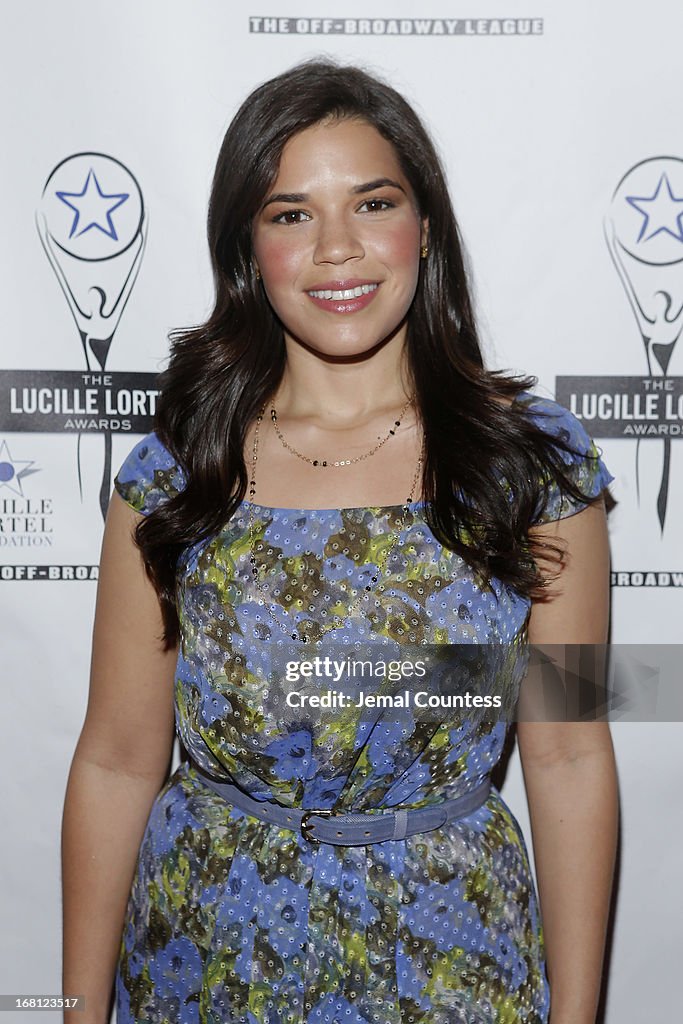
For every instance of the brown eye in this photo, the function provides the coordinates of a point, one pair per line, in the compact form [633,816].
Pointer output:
[290,217]
[377,205]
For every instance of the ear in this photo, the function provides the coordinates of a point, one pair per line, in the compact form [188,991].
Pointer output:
[424,232]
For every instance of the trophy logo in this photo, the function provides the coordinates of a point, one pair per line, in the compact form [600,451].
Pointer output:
[93,227]
[644,233]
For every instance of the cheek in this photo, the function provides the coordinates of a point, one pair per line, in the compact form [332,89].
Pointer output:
[400,248]
[279,260]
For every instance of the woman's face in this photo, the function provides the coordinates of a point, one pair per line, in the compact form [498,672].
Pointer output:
[337,240]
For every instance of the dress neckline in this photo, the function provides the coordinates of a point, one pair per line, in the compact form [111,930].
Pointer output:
[351,508]
[320,511]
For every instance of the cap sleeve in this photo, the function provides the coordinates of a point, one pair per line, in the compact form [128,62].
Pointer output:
[149,475]
[586,468]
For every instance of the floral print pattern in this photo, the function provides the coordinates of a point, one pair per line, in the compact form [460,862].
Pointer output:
[232,920]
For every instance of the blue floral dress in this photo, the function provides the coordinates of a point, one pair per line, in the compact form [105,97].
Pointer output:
[232,920]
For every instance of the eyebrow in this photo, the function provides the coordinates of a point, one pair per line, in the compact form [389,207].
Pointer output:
[303,197]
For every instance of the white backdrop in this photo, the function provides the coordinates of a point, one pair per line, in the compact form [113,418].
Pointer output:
[537,131]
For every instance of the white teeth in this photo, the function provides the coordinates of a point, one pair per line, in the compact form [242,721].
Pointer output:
[348,293]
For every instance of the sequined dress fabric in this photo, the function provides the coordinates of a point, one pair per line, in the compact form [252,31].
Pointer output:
[232,920]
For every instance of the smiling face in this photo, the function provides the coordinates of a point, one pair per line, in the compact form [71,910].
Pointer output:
[337,240]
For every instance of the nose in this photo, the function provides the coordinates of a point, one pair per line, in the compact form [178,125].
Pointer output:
[337,241]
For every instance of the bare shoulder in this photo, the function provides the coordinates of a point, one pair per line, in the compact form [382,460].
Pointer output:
[129,724]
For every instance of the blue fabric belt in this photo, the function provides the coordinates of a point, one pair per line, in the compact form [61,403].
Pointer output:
[350,829]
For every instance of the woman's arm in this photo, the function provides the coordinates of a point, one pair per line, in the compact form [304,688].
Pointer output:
[570,778]
[120,763]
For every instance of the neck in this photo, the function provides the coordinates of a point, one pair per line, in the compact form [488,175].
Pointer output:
[341,391]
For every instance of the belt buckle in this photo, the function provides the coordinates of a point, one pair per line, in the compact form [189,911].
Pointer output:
[305,826]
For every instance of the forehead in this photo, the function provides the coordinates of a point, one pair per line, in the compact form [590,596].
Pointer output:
[342,150]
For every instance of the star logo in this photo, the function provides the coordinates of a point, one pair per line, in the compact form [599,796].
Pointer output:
[663,211]
[12,471]
[92,207]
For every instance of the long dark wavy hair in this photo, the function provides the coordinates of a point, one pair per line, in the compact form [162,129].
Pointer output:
[221,372]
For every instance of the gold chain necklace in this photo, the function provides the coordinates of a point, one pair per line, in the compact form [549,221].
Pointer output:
[339,462]
[255,568]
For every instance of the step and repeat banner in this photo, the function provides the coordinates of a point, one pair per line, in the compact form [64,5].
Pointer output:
[559,128]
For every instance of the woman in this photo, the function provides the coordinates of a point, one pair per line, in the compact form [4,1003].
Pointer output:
[332,468]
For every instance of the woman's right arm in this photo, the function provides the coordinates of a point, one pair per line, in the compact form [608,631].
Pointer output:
[120,763]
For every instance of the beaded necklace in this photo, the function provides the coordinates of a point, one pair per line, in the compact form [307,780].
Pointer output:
[339,462]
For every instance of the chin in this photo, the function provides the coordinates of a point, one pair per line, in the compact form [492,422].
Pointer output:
[346,349]
[350,345]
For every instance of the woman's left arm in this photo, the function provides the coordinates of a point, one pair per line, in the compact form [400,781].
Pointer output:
[571,783]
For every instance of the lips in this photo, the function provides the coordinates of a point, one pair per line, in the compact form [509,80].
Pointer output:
[344,296]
